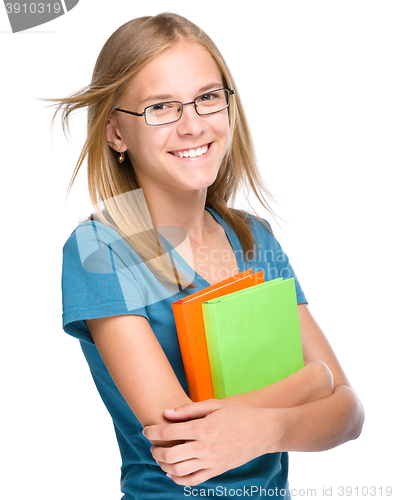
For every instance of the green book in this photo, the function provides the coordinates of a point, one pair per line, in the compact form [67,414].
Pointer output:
[253,337]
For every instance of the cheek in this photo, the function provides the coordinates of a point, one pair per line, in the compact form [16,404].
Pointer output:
[149,139]
[145,147]
[223,131]
[222,126]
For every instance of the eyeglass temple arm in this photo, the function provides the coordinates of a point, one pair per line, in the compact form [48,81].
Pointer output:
[130,112]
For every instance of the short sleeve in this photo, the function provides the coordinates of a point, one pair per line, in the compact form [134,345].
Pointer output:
[286,271]
[274,260]
[98,279]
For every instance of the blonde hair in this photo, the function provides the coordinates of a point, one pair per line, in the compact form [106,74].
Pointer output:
[128,50]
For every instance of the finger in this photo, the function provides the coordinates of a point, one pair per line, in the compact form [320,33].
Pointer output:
[174,454]
[182,431]
[192,410]
[182,468]
[193,479]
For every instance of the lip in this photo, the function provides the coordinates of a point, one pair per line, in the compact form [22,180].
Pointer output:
[209,144]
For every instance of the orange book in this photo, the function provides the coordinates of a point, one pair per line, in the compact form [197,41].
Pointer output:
[191,333]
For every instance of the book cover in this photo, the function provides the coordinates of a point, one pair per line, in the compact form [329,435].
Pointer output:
[253,337]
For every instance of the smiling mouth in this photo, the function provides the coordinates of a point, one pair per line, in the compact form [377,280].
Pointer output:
[192,153]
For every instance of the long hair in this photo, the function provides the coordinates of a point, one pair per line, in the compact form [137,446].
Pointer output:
[129,49]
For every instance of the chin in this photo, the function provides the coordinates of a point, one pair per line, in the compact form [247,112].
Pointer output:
[201,184]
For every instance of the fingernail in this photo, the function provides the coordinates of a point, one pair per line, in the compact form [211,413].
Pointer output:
[171,410]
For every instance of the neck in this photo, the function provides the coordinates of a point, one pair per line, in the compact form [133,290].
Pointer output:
[184,210]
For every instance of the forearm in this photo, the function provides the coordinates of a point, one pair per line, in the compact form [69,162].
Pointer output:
[221,435]
[322,424]
[308,384]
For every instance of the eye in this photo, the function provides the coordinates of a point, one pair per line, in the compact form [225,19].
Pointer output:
[162,108]
[207,97]
[159,107]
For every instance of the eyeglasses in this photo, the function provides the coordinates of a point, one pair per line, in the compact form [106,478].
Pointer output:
[164,113]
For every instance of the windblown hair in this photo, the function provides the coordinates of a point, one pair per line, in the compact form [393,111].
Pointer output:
[129,49]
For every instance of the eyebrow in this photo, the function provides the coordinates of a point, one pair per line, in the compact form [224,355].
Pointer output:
[165,97]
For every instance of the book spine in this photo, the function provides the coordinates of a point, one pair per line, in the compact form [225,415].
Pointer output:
[186,348]
[213,345]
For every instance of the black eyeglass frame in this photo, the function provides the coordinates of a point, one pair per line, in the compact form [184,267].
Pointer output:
[230,93]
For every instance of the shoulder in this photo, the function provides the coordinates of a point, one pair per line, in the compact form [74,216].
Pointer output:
[260,227]
[93,243]
[91,230]
[258,223]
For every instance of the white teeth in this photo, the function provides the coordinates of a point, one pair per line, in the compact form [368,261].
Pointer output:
[192,153]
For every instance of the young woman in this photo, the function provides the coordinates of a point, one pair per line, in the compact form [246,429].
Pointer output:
[168,147]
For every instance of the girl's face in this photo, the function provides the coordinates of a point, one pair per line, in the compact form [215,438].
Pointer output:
[181,73]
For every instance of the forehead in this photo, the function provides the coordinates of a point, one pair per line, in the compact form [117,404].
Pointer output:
[178,72]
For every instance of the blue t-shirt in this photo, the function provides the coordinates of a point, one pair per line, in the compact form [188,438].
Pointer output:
[103,277]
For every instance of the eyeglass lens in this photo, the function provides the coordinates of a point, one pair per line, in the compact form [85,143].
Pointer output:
[206,104]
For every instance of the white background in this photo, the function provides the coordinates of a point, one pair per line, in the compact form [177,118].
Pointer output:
[316,79]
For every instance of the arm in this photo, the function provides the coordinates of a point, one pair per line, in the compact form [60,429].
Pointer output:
[328,422]
[138,366]
[312,382]
[224,434]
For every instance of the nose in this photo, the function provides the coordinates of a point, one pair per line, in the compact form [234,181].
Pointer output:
[190,122]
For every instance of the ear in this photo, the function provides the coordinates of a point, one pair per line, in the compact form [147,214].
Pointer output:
[114,136]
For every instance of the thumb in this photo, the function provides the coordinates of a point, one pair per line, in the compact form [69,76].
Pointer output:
[192,411]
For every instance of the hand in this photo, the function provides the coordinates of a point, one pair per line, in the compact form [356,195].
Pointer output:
[217,436]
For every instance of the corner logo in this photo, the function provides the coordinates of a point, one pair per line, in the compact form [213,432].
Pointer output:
[25,14]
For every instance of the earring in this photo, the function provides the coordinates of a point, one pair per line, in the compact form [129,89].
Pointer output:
[121,156]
